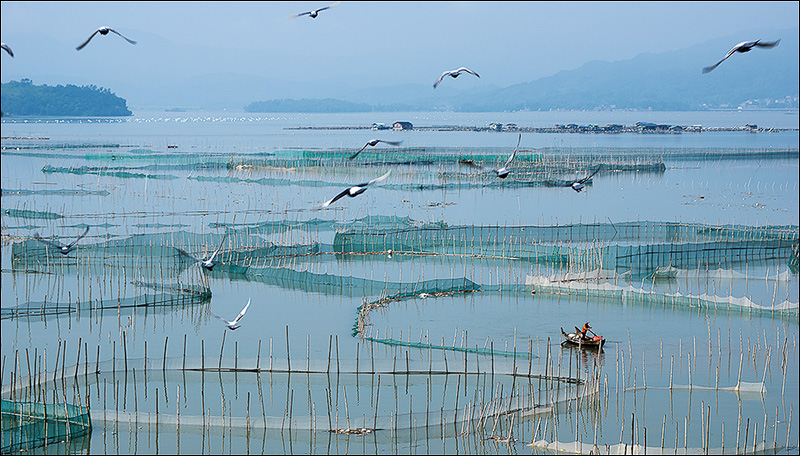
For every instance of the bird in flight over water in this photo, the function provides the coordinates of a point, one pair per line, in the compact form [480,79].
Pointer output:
[373,143]
[356,190]
[209,263]
[64,249]
[454,74]
[103,31]
[578,185]
[7,49]
[742,47]
[313,14]
[501,172]
[234,325]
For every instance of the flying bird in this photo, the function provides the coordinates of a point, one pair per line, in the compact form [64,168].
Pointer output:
[103,31]
[454,74]
[501,172]
[64,249]
[234,325]
[373,143]
[314,13]
[578,185]
[742,47]
[7,49]
[209,263]
[356,190]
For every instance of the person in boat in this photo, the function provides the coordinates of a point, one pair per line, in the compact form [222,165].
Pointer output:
[585,328]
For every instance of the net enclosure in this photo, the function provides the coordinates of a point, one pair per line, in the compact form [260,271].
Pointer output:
[27,425]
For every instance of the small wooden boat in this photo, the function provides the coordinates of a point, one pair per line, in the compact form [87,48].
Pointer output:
[577,338]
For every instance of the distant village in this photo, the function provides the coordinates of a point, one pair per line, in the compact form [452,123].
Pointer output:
[639,127]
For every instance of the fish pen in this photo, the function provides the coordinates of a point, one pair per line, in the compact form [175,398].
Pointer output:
[28,425]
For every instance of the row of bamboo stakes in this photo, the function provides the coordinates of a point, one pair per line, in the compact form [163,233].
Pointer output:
[35,390]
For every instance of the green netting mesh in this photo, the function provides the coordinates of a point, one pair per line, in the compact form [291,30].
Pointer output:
[639,247]
[26,213]
[146,275]
[178,297]
[163,269]
[27,425]
[475,350]
[105,171]
[352,286]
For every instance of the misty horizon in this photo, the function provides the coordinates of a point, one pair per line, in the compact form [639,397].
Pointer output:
[354,50]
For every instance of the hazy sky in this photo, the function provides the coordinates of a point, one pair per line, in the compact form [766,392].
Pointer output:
[359,43]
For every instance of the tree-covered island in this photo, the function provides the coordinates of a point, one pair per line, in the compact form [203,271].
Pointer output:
[24,98]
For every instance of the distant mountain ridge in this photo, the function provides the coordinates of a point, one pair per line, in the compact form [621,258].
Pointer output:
[664,81]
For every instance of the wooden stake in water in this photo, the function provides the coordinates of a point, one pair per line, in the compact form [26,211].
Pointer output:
[221,348]
[258,357]
[377,396]
[330,344]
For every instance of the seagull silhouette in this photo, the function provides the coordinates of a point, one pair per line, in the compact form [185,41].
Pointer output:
[501,172]
[454,74]
[64,249]
[356,190]
[578,185]
[314,13]
[744,46]
[103,31]
[373,143]
[209,263]
[7,49]
[233,325]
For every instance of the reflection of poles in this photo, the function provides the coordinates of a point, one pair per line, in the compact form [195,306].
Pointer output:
[789,426]
[164,361]
[288,357]
[746,433]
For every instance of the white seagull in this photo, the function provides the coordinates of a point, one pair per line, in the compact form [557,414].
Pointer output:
[209,263]
[744,46]
[356,190]
[7,49]
[373,143]
[233,325]
[103,31]
[314,13]
[64,249]
[502,172]
[578,185]
[454,74]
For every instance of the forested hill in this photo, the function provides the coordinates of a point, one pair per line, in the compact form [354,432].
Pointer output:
[23,98]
